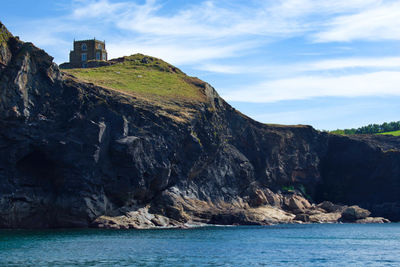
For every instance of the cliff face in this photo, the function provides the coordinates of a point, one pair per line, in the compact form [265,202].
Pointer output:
[73,154]
[363,170]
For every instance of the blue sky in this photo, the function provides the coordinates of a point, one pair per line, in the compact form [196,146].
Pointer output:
[330,64]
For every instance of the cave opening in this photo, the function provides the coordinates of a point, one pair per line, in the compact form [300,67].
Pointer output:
[38,168]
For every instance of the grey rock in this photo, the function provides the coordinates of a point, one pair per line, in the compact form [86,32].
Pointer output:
[354,213]
[330,207]
[373,220]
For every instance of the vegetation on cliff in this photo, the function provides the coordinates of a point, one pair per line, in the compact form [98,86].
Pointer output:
[144,77]
[391,128]
[4,35]
[395,133]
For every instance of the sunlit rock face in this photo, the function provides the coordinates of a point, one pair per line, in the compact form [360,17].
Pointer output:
[73,154]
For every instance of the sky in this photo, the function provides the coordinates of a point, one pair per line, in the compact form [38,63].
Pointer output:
[329,64]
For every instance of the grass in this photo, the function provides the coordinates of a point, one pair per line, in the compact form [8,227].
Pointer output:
[4,35]
[394,133]
[338,132]
[144,77]
[341,132]
[289,188]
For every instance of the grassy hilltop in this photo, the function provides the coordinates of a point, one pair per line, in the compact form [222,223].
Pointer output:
[144,77]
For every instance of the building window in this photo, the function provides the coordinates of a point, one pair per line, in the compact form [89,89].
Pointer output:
[104,57]
[97,55]
[84,57]
[84,47]
[99,46]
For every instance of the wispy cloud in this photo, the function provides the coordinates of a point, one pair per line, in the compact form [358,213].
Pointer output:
[99,9]
[382,63]
[208,28]
[177,53]
[378,23]
[351,113]
[385,83]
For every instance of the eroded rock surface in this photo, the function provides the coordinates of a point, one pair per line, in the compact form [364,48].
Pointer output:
[74,154]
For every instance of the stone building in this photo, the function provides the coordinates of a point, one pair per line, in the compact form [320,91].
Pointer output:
[86,50]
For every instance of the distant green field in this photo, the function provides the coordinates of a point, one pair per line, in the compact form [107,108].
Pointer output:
[395,133]
[341,132]
[143,76]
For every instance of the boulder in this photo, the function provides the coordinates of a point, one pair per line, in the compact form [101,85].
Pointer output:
[330,207]
[139,219]
[331,217]
[354,213]
[297,204]
[373,220]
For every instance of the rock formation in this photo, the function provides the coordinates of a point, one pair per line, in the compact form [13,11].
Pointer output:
[73,154]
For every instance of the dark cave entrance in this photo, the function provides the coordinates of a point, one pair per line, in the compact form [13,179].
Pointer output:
[36,168]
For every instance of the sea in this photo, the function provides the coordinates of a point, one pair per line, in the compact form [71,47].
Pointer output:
[279,245]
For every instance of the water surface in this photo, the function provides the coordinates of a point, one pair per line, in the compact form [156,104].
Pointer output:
[282,245]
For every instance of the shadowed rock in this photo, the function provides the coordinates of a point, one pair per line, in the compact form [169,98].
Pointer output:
[354,213]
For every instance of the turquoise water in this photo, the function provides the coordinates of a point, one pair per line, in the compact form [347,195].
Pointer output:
[283,245]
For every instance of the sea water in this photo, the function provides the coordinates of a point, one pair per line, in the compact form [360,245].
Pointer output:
[281,245]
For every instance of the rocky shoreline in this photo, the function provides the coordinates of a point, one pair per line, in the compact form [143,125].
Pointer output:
[295,210]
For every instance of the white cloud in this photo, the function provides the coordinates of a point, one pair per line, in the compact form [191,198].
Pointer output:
[225,69]
[175,53]
[96,9]
[385,83]
[378,23]
[351,114]
[220,19]
[388,62]
[208,20]
[313,66]
[203,32]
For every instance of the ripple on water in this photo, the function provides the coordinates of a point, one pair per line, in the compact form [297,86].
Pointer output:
[281,245]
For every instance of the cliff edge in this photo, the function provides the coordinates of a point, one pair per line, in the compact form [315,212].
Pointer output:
[79,151]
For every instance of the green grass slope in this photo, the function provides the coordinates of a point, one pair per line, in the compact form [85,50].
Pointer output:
[4,35]
[394,133]
[144,77]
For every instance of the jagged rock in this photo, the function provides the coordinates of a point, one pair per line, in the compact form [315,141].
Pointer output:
[264,215]
[373,220]
[354,213]
[296,204]
[139,219]
[330,217]
[259,197]
[330,207]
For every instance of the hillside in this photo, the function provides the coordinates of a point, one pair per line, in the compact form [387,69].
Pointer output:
[371,129]
[143,76]
[103,147]
[394,133]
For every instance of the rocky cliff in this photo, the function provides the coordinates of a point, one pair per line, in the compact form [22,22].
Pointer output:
[75,154]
